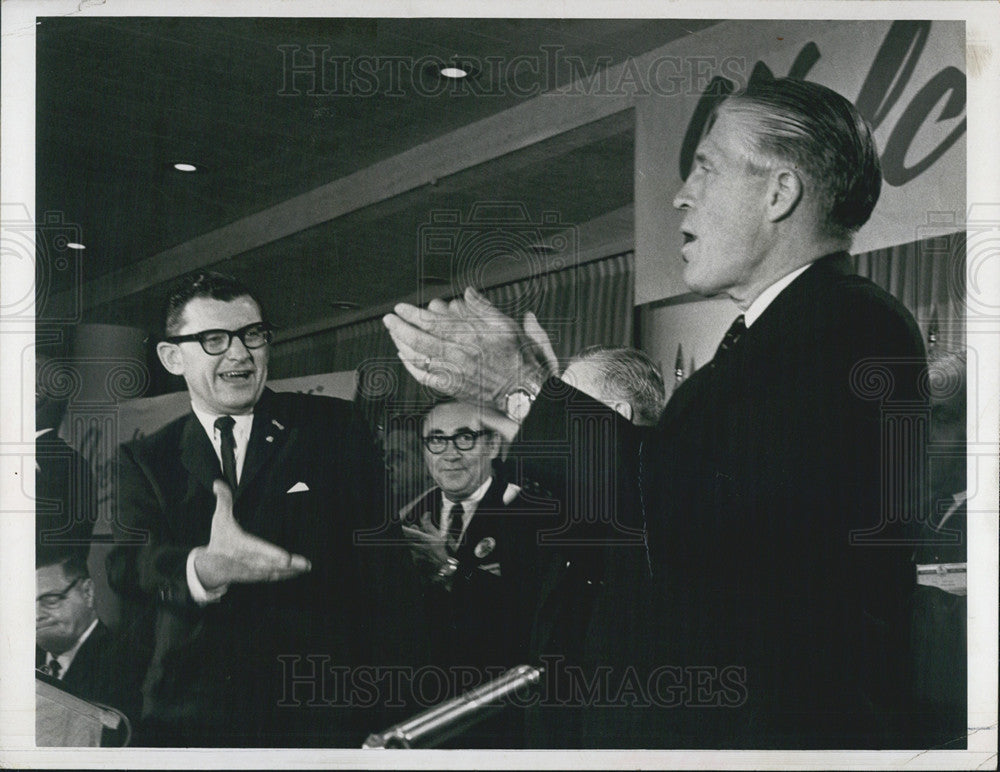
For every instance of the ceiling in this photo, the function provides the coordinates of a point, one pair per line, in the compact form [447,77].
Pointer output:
[120,99]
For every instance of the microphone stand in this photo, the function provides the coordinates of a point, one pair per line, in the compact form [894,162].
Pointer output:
[437,724]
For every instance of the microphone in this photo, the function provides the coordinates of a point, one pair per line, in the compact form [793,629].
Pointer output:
[437,724]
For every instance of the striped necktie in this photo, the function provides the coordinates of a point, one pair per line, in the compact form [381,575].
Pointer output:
[731,338]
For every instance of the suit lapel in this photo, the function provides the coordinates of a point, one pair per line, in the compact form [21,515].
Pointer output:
[425,510]
[197,455]
[485,522]
[270,432]
[787,305]
[83,672]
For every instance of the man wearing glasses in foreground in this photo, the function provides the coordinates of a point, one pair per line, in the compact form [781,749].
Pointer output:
[235,538]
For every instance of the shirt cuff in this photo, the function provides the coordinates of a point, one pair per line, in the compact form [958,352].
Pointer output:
[199,594]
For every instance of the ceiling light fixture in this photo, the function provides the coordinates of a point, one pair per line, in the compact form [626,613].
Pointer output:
[74,245]
[454,72]
[182,166]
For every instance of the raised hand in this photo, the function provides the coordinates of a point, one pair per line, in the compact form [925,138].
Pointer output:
[468,349]
[234,556]
[543,347]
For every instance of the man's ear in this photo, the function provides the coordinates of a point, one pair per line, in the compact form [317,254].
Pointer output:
[624,409]
[783,193]
[494,444]
[87,586]
[170,357]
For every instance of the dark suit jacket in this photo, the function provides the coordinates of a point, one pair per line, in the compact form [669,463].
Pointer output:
[98,674]
[66,496]
[484,620]
[760,620]
[482,626]
[254,668]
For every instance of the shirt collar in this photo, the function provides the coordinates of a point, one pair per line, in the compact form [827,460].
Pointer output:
[66,658]
[207,420]
[471,501]
[765,298]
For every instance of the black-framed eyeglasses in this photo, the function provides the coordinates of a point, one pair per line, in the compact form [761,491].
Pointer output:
[52,600]
[215,342]
[463,440]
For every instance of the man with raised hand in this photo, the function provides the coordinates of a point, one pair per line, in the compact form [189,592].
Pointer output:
[774,615]
[236,541]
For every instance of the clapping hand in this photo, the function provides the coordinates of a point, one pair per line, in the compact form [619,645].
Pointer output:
[470,350]
[235,556]
[431,555]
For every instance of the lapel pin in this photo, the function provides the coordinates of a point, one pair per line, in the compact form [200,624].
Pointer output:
[280,427]
[269,438]
[485,547]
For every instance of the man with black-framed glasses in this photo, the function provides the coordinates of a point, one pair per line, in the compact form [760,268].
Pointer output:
[72,645]
[236,538]
[475,542]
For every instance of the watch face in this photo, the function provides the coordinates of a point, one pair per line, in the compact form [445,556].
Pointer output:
[518,404]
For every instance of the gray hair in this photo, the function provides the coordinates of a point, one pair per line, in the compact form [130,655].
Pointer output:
[629,375]
[821,134]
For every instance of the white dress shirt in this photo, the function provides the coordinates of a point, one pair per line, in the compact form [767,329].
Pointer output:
[765,298]
[469,506]
[66,658]
[241,434]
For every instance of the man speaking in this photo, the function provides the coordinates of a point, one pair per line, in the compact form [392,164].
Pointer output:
[772,552]
[235,533]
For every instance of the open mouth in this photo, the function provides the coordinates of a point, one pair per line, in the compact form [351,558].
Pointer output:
[688,237]
[236,376]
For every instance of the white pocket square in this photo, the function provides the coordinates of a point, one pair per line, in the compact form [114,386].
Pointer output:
[299,487]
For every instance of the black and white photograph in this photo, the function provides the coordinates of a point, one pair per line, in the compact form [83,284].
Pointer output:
[499,387]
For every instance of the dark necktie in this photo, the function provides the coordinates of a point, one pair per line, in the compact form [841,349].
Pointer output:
[54,667]
[454,528]
[225,426]
[731,338]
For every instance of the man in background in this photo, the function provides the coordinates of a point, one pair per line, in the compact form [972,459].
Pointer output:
[65,490]
[72,645]
[940,604]
[476,543]
[407,474]
[625,379]
[594,556]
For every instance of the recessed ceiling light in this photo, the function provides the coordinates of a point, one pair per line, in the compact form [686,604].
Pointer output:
[344,305]
[74,245]
[185,167]
[454,72]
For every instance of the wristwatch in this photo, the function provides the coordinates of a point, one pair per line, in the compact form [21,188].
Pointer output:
[518,403]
